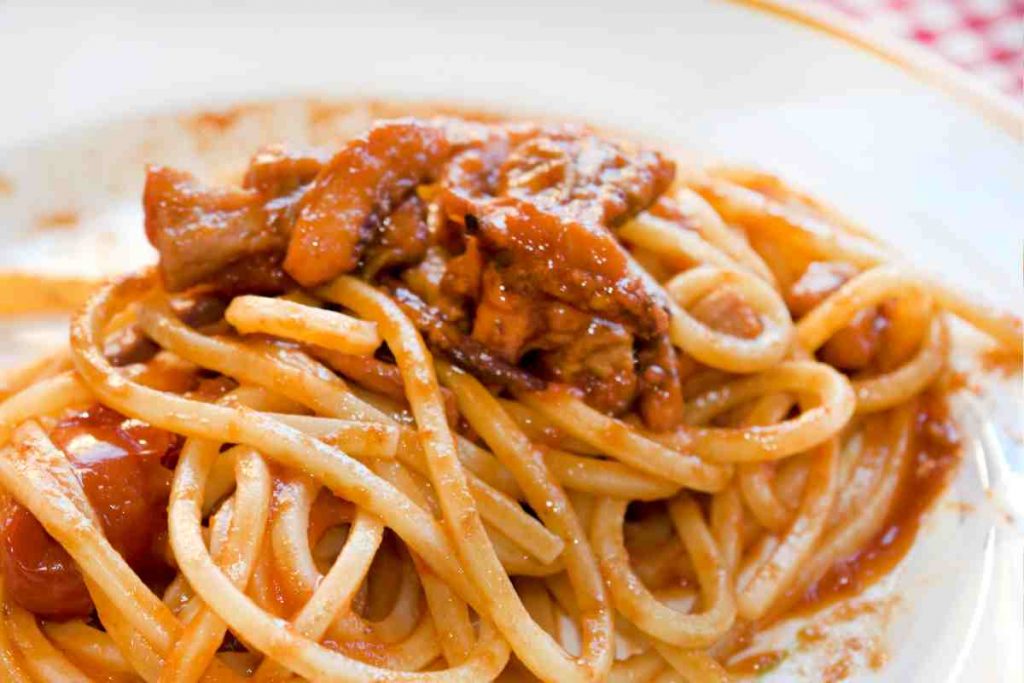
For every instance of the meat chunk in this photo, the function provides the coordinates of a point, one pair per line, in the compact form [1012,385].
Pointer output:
[445,338]
[726,311]
[463,274]
[563,170]
[200,231]
[558,280]
[277,171]
[401,239]
[661,390]
[235,241]
[561,323]
[256,274]
[130,345]
[475,172]
[505,320]
[426,279]
[584,177]
[906,322]
[514,324]
[232,241]
[600,362]
[579,263]
[542,205]
[362,183]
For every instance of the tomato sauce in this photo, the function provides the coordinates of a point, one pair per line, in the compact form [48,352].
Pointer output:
[1002,361]
[327,511]
[936,453]
[124,467]
[757,663]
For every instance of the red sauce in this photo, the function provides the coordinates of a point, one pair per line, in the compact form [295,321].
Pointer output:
[809,635]
[327,511]
[215,121]
[936,453]
[122,464]
[837,670]
[757,663]
[330,226]
[166,374]
[283,596]
[1003,361]
[57,220]
[278,599]
[212,389]
[877,658]
[956,380]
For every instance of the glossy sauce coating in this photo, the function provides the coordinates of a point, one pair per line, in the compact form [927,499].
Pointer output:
[370,174]
[497,240]
[122,466]
[757,664]
[936,454]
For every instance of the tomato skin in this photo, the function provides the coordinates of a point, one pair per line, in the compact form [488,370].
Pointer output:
[38,573]
[119,463]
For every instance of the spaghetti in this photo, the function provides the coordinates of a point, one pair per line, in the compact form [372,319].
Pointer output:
[408,412]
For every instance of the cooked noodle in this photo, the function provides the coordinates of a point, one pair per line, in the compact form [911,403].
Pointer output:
[358,496]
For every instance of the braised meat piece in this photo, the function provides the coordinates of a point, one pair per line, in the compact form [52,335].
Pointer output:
[497,239]
[583,177]
[505,320]
[558,280]
[463,274]
[475,171]
[257,274]
[446,338]
[276,171]
[854,346]
[199,231]
[599,362]
[366,371]
[130,345]
[578,263]
[401,239]
[543,205]
[360,185]
[427,280]
[231,240]
[573,346]
[726,311]
[661,389]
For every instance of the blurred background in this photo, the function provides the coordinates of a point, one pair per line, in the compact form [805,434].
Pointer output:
[984,37]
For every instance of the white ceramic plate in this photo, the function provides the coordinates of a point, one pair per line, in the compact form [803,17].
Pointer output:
[90,96]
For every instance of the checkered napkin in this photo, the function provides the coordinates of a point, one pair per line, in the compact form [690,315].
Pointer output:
[986,37]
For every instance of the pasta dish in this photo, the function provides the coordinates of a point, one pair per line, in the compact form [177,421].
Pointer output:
[468,401]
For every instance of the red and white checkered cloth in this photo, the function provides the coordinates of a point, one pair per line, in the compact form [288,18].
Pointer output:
[985,37]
